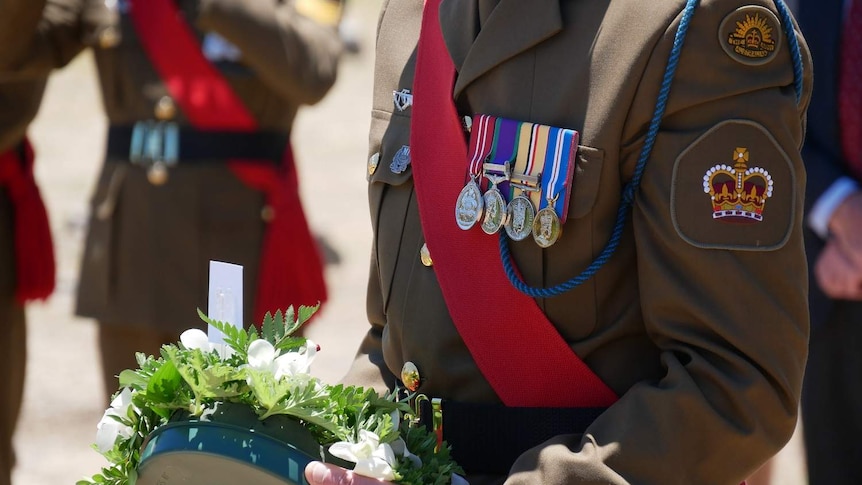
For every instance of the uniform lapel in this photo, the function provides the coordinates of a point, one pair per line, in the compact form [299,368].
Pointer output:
[513,27]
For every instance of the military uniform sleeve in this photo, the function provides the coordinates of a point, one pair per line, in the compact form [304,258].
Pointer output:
[369,368]
[293,46]
[37,36]
[723,285]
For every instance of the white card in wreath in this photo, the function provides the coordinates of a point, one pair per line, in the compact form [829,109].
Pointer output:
[225,297]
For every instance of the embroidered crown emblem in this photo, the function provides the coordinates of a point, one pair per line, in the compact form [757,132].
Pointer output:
[738,192]
[752,37]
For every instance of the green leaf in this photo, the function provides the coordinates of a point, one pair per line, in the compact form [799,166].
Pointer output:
[130,378]
[305,313]
[235,338]
[165,384]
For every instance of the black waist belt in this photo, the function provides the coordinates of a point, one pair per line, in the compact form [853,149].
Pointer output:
[150,141]
[489,438]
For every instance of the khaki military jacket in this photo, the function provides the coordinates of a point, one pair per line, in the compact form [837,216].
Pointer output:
[19,102]
[148,247]
[699,325]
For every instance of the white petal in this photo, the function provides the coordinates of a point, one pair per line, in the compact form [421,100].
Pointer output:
[120,404]
[399,447]
[287,364]
[106,434]
[363,450]
[370,436]
[194,338]
[459,480]
[342,450]
[374,468]
[310,350]
[385,452]
[261,354]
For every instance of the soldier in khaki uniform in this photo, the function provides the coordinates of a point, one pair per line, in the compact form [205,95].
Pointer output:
[19,101]
[697,322]
[201,96]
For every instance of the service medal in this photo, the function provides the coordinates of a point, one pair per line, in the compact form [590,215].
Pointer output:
[521,215]
[495,211]
[546,227]
[469,206]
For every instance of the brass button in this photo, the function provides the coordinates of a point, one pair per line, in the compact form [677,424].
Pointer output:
[410,376]
[425,256]
[467,122]
[109,37]
[267,213]
[157,174]
[373,162]
[165,109]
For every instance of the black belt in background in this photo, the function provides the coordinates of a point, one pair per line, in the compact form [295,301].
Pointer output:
[161,141]
[489,438]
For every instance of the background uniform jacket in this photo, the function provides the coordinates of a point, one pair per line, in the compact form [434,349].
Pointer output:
[140,232]
[699,326]
[19,101]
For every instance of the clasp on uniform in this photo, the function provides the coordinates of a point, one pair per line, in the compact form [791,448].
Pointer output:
[429,413]
[156,146]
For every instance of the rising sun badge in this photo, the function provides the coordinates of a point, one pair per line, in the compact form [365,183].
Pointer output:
[751,35]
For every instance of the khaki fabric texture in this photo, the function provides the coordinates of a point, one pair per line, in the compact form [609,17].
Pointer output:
[704,343]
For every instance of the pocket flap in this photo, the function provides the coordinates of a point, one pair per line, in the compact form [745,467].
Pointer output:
[585,187]
[389,160]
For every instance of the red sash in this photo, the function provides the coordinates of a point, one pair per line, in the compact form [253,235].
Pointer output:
[291,272]
[514,344]
[34,250]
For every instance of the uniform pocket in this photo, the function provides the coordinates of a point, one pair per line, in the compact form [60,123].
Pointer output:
[585,186]
[389,149]
[390,193]
[98,269]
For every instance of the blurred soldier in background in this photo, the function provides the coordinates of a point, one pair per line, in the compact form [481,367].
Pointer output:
[26,252]
[201,96]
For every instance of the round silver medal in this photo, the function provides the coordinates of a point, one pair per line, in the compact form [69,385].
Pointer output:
[495,211]
[547,228]
[469,206]
[521,216]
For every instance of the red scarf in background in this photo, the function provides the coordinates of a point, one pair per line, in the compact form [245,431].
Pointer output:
[291,271]
[35,270]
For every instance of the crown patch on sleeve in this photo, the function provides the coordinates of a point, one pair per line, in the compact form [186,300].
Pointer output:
[751,35]
[734,188]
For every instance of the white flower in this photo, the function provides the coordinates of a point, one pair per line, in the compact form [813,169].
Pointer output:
[194,338]
[109,430]
[263,357]
[372,458]
[400,449]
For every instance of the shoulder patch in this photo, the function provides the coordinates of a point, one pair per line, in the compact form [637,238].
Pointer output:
[734,188]
[751,35]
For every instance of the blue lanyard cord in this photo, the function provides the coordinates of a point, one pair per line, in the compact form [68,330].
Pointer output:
[793,44]
[631,188]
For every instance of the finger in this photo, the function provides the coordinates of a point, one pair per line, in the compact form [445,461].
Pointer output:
[318,473]
[832,272]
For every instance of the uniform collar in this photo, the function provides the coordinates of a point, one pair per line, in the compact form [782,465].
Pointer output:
[513,27]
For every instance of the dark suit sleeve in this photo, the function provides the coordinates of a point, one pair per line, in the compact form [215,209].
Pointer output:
[822,152]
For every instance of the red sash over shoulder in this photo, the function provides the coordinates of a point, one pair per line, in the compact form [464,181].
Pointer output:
[291,271]
[514,344]
[34,250]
